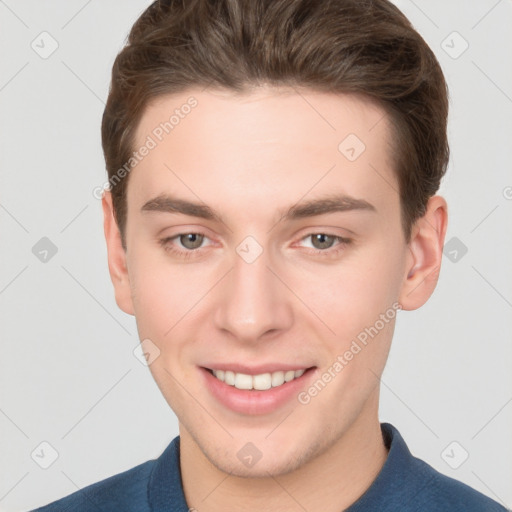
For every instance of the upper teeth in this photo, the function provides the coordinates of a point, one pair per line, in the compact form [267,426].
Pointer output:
[260,382]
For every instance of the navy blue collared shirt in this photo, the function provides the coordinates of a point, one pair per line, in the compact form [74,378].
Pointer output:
[405,483]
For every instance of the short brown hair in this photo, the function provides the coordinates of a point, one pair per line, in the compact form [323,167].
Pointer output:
[364,47]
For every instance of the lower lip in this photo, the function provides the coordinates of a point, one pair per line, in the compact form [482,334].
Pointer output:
[254,402]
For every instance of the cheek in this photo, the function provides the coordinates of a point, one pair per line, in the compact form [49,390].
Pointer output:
[166,297]
[158,293]
[375,278]
[354,306]
[351,295]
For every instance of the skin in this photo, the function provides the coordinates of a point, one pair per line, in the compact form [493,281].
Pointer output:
[250,157]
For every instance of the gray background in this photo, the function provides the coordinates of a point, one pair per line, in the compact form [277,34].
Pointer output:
[68,373]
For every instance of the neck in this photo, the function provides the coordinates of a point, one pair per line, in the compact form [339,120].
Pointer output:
[330,482]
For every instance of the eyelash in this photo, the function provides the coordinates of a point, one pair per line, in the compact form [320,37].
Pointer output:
[191,253]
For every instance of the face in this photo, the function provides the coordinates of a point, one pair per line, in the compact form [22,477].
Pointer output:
[264,242]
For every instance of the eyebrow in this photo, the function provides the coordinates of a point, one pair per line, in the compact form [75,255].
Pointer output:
[330,204]
[311,208]
[168,204]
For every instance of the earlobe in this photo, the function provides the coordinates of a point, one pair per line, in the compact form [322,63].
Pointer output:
[425,255]
[117,264]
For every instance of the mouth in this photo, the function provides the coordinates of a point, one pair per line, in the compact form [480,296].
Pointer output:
[259,382]
[256,390]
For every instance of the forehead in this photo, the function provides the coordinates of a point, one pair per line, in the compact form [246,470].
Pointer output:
[265,113]
[277,142]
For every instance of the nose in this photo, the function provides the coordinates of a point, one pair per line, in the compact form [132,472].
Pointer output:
[253,303]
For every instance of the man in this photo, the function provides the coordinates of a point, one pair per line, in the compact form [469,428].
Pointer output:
[273,166]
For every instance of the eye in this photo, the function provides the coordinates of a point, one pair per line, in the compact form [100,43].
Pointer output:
[322,241]
[191,240]
[325,243]
[186,245]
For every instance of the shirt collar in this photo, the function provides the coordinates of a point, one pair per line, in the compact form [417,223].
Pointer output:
[165,489]
[401,477]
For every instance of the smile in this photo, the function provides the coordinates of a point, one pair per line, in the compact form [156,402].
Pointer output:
[259,382]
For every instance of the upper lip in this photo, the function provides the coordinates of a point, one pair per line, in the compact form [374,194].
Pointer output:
[256,369]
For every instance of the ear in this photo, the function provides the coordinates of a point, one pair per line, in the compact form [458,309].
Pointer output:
[116,256]
[425,255]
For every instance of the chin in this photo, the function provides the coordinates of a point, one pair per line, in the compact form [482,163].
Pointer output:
[250,456]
